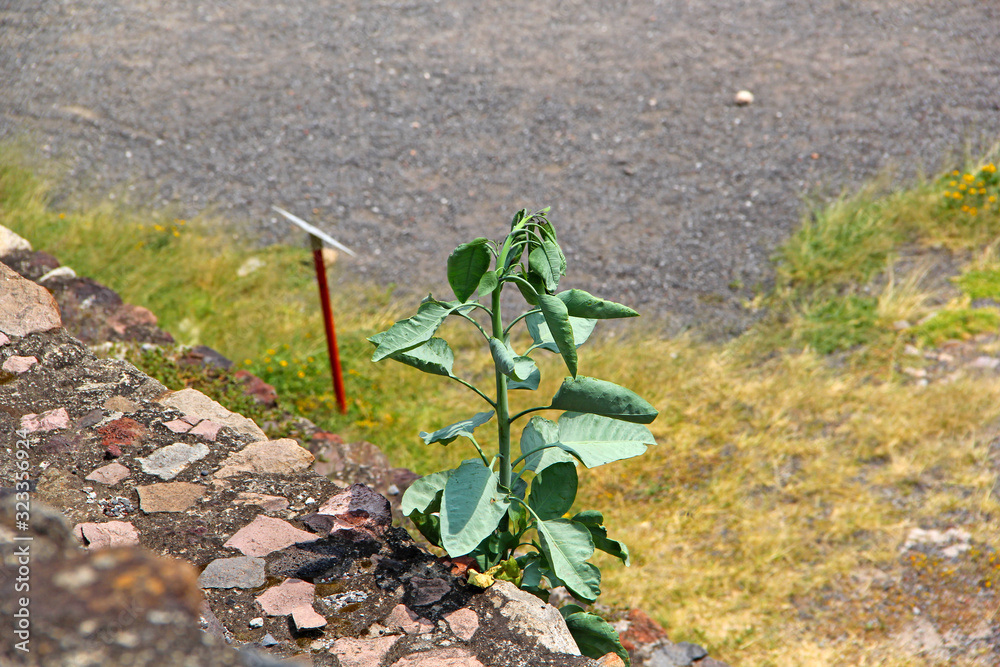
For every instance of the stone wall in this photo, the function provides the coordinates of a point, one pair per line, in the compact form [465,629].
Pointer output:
[165,529]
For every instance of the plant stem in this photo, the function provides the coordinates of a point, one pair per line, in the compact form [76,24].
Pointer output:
[503,412]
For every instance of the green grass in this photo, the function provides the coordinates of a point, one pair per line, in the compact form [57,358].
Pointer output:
[789,459]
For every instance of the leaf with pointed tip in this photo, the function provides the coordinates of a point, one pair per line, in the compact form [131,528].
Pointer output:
[538,433]
[413,331]
[553,490]
[600,397]
[530,294]
[465,428]
[467,265]
[557,319]
[582,304]
[471,508]
[568,545]
[597,440]
[594,521]
[539,330]
[434,356]
[594,636]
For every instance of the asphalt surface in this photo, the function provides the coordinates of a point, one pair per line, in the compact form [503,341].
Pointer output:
[404,128]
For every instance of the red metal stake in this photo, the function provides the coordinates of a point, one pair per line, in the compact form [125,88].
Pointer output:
[331,334]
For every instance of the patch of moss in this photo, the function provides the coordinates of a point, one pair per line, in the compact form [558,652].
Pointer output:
[960,323]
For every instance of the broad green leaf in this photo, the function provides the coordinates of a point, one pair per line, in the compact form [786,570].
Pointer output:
[421,493]
[581,304]
[538,433]
[414,331]
[597,440]
[539,330]
[502,357]
[557,319]
[471,508]
[553,490]
[467,265]
[530,382]
[547,262]
[487,283]
[465,427]
[600,397]
[594,521]
[567,546]
[568,609]
[517,515]
[594,636]
[434,356]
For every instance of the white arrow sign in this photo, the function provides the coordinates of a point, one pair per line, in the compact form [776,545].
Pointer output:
[318,233]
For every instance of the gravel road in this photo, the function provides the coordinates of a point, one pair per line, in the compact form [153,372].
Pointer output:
[404,128]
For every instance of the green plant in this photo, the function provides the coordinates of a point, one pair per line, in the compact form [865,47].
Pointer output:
[486,508]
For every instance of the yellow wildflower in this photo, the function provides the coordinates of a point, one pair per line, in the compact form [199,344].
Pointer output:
[968,178]
[159,228]
[283,363]
[271,350]
[301,374]
[953,184]
[963,186]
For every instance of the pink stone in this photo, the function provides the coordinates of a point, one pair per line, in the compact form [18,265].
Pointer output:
[49,420]
[191,419]
[207,429]
[442,657]
[405,619]
[266,534]
[361,507]
[110,474]
[169,496]
[362,652]
[286,597]
[25,307]
[306,618]
[19,364]
[178,426]
[108,534]
[262,500]
[3,338]
[463,622]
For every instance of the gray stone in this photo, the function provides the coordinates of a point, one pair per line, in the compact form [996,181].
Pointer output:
[669,654]
[11,242]
[167,462]
[428,591]
[240,572]
[532,618]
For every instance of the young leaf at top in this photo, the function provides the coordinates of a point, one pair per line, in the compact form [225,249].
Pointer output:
[538,433]
[467,265]
[594,521]
[600,397]
[464,428]
[594,636]
[557,319]
[567,546]
[539,330]
[413,331]
[471,508]
[582,304]
[597,440]
[434,356]
[547,262]
[553,491]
